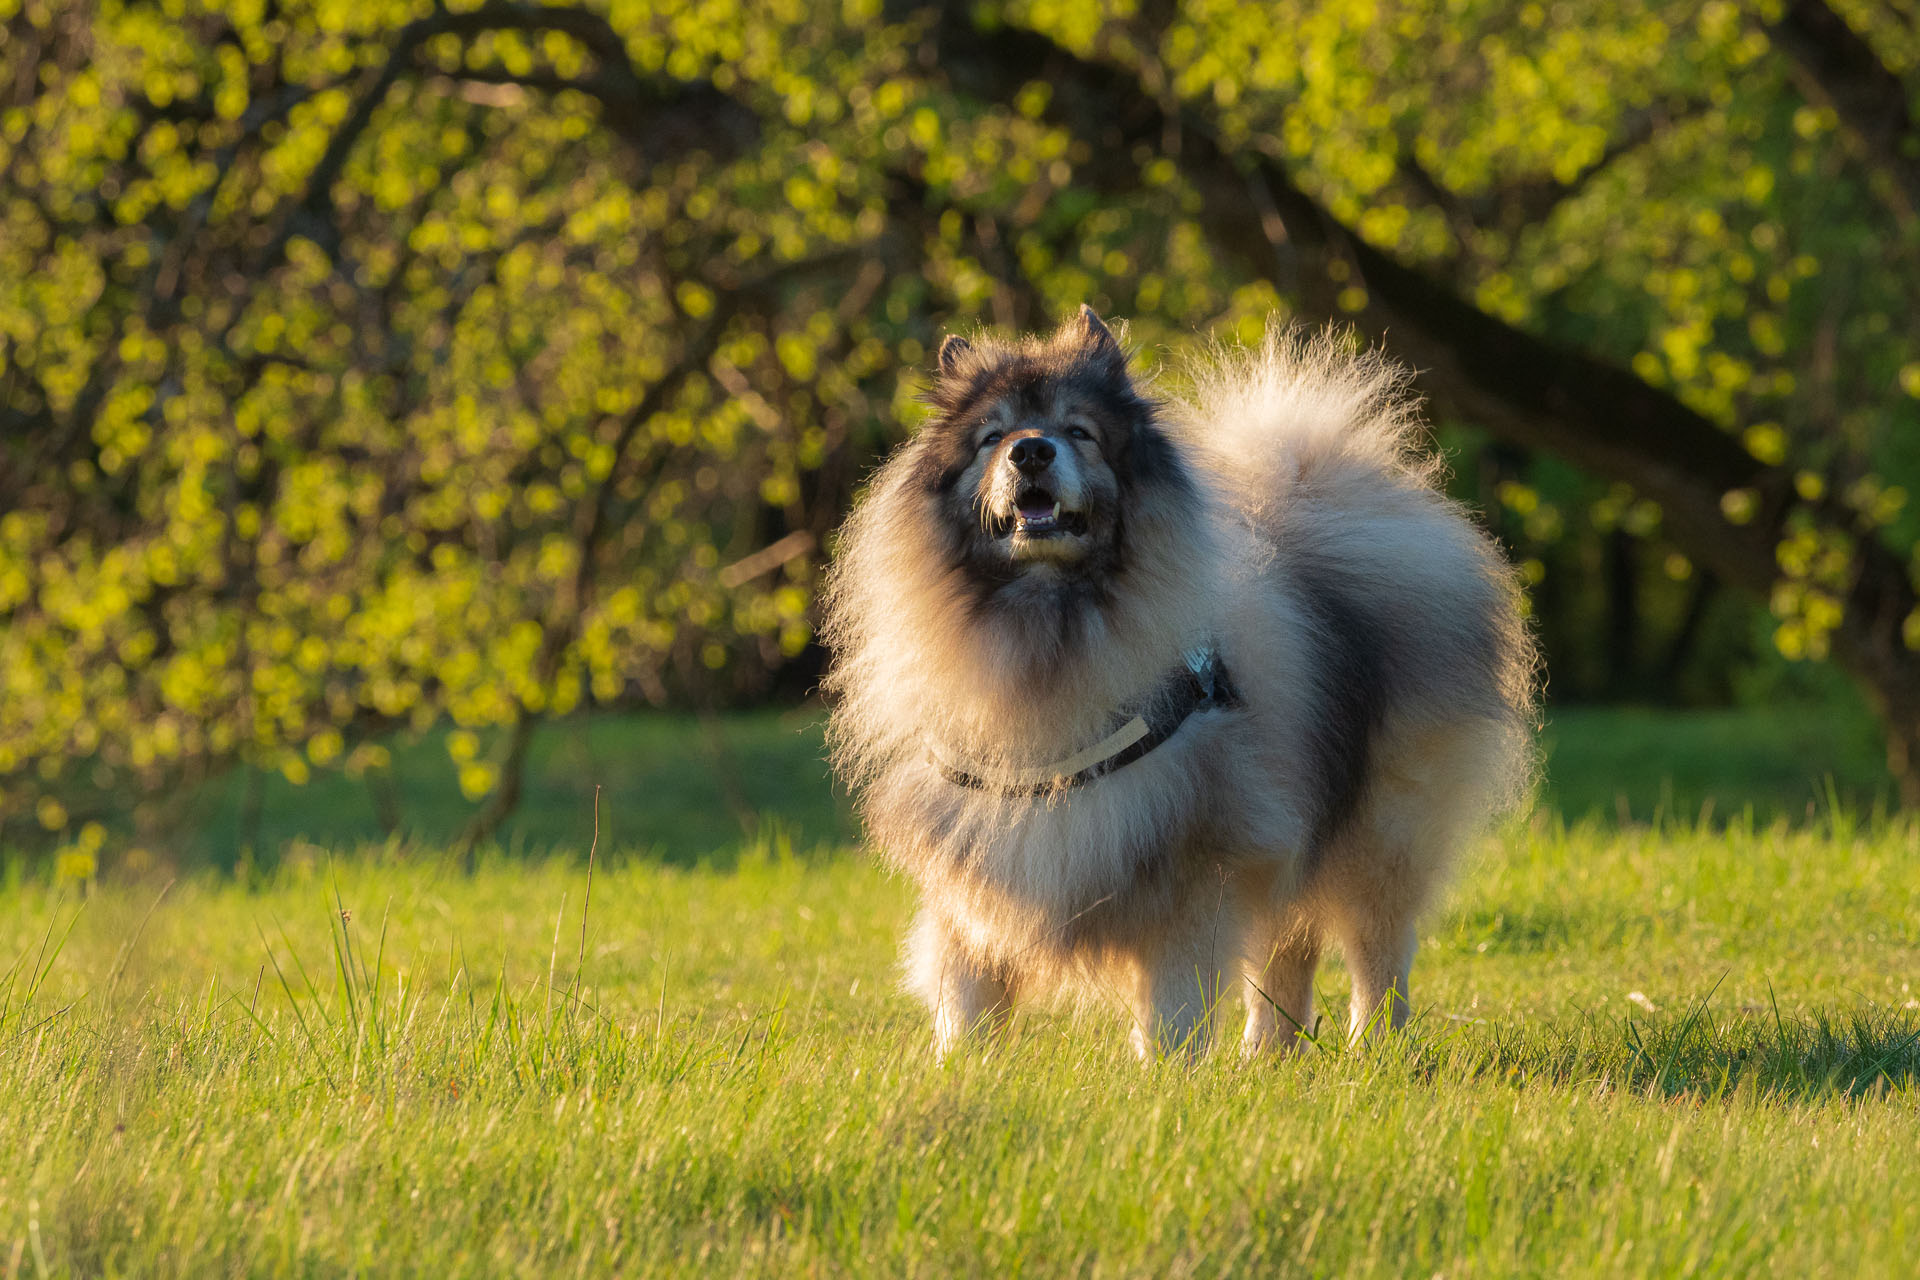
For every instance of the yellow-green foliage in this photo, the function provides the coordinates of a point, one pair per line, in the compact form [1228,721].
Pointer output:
[370,364]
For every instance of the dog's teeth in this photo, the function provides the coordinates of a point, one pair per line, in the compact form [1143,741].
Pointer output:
[1056,511]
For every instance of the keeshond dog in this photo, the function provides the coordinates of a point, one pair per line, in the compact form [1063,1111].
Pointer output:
[1156,696]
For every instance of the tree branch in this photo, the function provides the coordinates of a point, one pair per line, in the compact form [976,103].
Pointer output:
[1841,70]
[659,117]
[1522,387]
[1525,203]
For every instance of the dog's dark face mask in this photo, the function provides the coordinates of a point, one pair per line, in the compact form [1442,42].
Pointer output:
[1037,456]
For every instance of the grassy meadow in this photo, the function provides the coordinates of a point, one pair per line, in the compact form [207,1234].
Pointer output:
[686,791]
[1669,1046]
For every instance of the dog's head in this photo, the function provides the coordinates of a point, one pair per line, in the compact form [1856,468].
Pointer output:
[1040,454]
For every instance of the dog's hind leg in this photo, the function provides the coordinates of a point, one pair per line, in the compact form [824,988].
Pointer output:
[965,998]
[1430,792]
[1374,921]
[1379,955]
[1283,950]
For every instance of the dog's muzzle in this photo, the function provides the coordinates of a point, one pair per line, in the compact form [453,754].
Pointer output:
[1036,496]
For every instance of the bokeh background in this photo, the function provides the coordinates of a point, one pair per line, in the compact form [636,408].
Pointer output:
[413,415]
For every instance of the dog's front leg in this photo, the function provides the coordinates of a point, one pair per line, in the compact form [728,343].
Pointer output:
[1177,990]
[964,997]
[1281,954]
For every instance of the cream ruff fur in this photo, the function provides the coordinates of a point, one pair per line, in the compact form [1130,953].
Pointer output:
[1281,512]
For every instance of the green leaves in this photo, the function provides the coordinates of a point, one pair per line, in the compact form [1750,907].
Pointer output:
[367,364]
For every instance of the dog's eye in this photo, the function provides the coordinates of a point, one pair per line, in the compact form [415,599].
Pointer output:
[1080,433]
[992,437]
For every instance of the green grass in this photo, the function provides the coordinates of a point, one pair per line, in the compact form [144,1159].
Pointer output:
[1690,1047]
[381,1065]
[683,791]
[677,788]
[1794,761]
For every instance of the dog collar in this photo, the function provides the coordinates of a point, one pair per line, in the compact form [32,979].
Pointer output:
[1201,683]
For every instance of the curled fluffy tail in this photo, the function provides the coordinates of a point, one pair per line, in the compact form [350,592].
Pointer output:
[1303,411]
[1320,445]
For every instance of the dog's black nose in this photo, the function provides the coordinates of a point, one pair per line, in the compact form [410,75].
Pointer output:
[1034,453]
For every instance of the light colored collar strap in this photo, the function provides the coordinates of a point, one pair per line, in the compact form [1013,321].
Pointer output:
[1201,684]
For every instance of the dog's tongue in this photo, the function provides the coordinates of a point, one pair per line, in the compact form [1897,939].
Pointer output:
[1036,508]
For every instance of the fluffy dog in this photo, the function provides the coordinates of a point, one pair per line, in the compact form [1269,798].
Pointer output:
[1158,696]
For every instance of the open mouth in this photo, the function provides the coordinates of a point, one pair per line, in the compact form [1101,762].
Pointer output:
[1038,514]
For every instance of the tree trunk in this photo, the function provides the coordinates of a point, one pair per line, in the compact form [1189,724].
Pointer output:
[386,801]
[1680,648]
[1623,614]
[505,796]
[1871,644]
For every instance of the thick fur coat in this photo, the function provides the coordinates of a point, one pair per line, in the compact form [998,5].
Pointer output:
[1032,568]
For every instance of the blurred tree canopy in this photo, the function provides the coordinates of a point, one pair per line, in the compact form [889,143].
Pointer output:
[367,363]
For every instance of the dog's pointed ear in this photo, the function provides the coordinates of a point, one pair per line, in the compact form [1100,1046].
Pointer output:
[1098,341]
[951,352]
